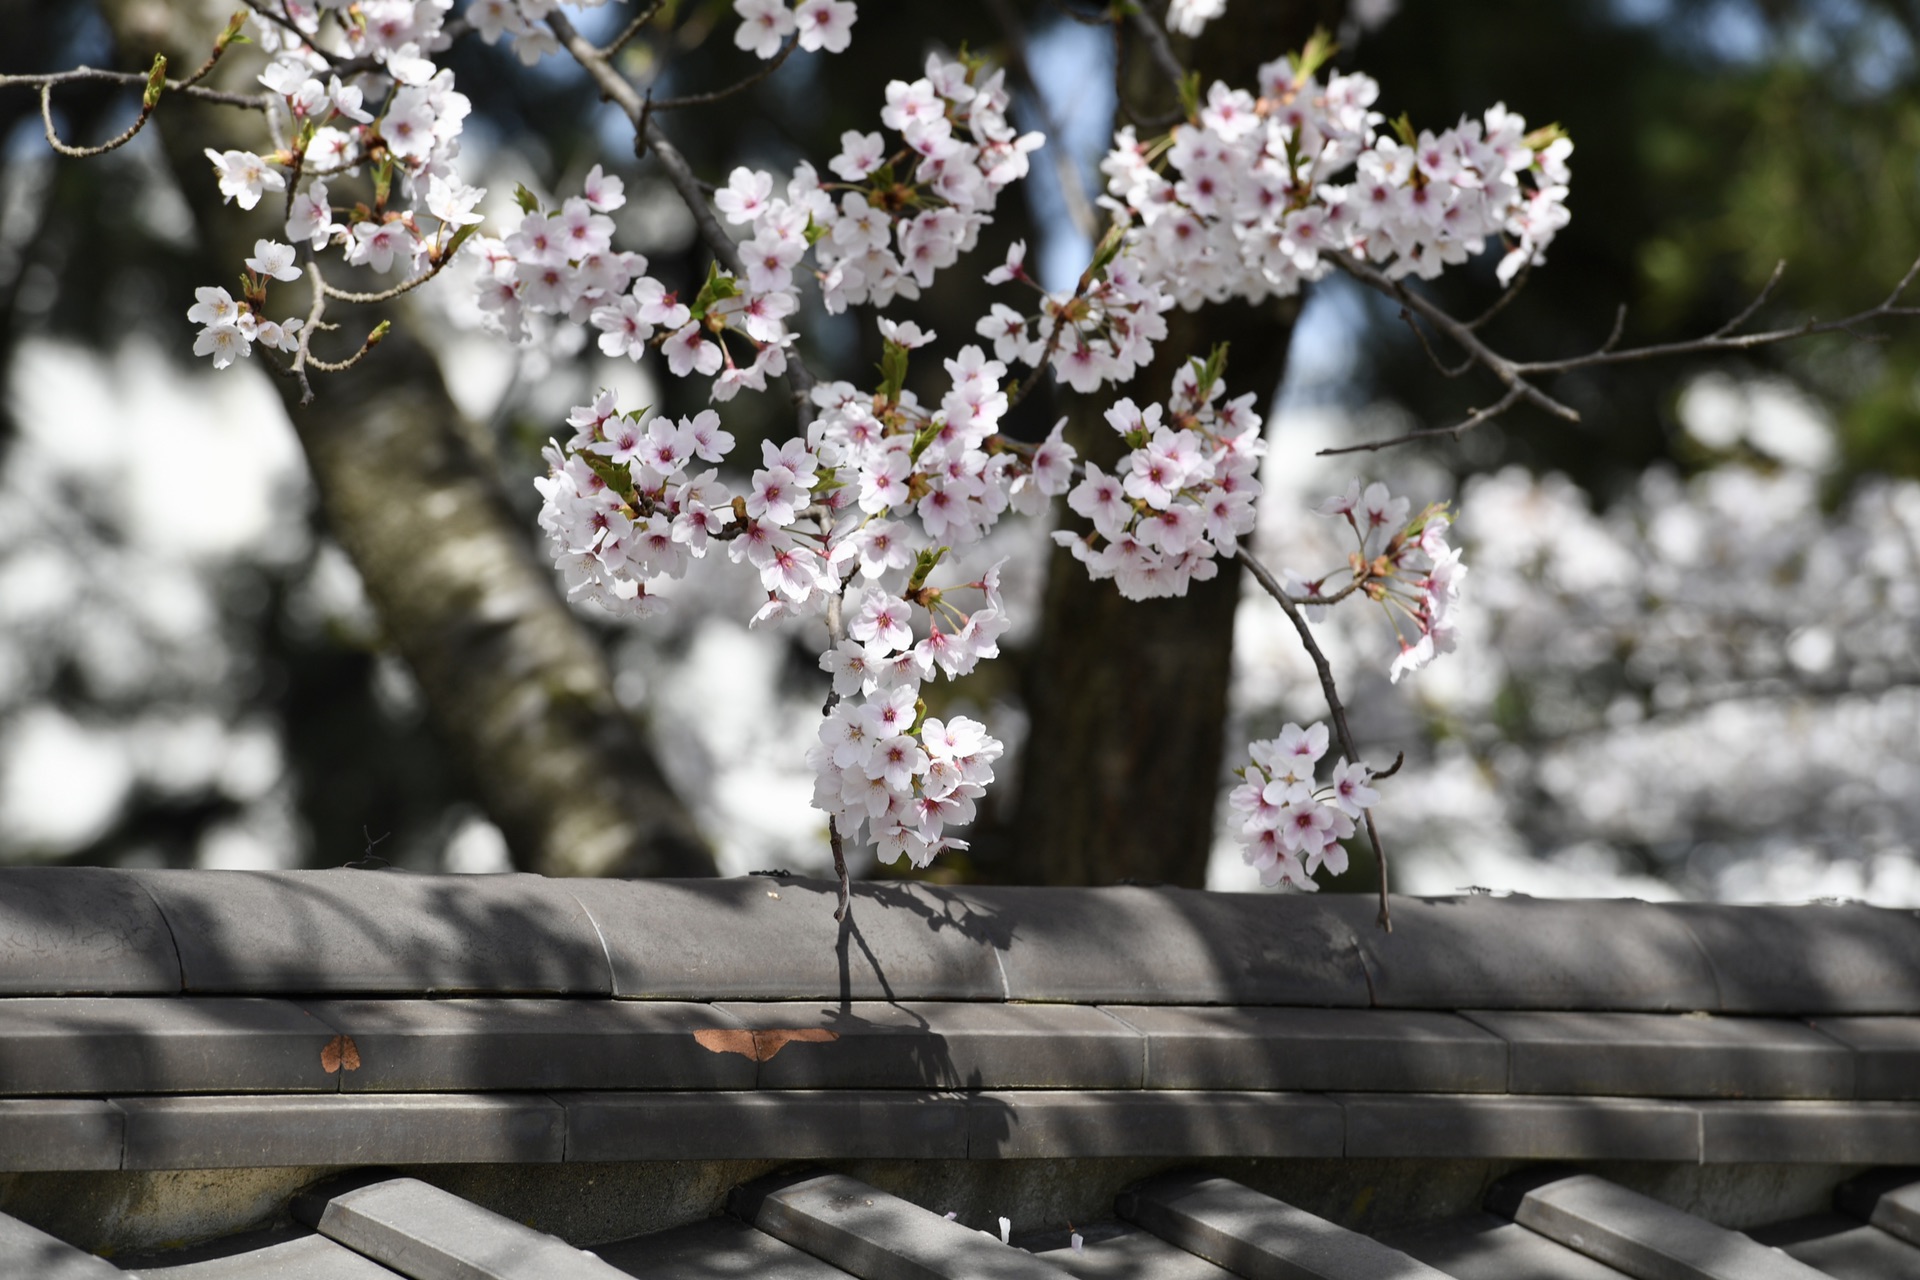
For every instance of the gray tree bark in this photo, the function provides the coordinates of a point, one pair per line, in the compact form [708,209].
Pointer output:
[1121,768]
[518,690]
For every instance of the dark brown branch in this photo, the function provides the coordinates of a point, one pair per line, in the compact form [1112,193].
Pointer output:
[738,86]
[1158,46]
[618,90]
[1517,374]
[1722,340]
[1759,300]
[1508,371]
[631,30]
[1445,371]
[1506,299]
[1458,429]
[1066,172]
[252,101]
[1338,711]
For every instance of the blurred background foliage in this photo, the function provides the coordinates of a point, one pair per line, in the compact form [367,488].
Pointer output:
[1714,138]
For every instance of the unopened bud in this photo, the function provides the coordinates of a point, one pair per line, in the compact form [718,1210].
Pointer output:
[156,82]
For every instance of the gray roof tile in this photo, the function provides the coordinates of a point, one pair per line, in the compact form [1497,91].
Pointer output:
[1481,952]
[432,1046]
[774,938]
[1249,1047]
[718,1249]
[1887,1198]
[1031,1124]
[1441,1126]
[28,1253]
[1664,1055]
[82,930]
[340,1129]
[1809,1132]
[1843,1248]
[1116,1251]
[303,1257]
[1886,1054]
[1483,1246]
[60,1134]
[1172,946]
[876,1236]
[1255,1235]
[1820,958]
[787,1125]
[1640,1235]
[376,932]
[97,1044]
[945,1045]
[430,1234]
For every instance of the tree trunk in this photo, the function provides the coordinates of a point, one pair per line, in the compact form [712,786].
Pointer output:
[1121,768]
[516,688]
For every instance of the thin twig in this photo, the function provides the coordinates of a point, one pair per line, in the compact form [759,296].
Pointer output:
[252,101]
[1272,586]
[836,629]
[82,153]
[631,30]
[1721,340]
[388,295]
[1518,374]
[1066,172]
[1508,371]
[281,20]
[1158,46]
[1759,300]
[1506,298]
[738,86]
[1445,371]
[648,137]
[1457,430]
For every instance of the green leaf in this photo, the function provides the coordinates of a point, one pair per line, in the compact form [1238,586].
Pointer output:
[719,285]
[1210,371]
[460,238]
[1190,94]
[1314,54]
[529,203]
[618,478]
[1403,126]
[233,33]
[893,370]
[924,566]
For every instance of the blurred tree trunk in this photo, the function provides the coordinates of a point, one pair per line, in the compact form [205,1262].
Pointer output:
[515,686]
[1121,768]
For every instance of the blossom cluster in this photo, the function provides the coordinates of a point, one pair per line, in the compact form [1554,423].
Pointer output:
[1184,492]
[893,220]
[1404,565]
[1104,330]
[619,507]
[229,327]
[882,765]
[1293,827]
[1246,199]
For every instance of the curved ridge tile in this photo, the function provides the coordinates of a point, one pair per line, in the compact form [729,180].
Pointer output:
[774,938]
[1480,952]
[346,931]
[1830,958]
[1135,945]
[82,931]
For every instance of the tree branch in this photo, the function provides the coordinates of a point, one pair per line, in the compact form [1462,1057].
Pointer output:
[648,137]
[1517,374]
[1324,669]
